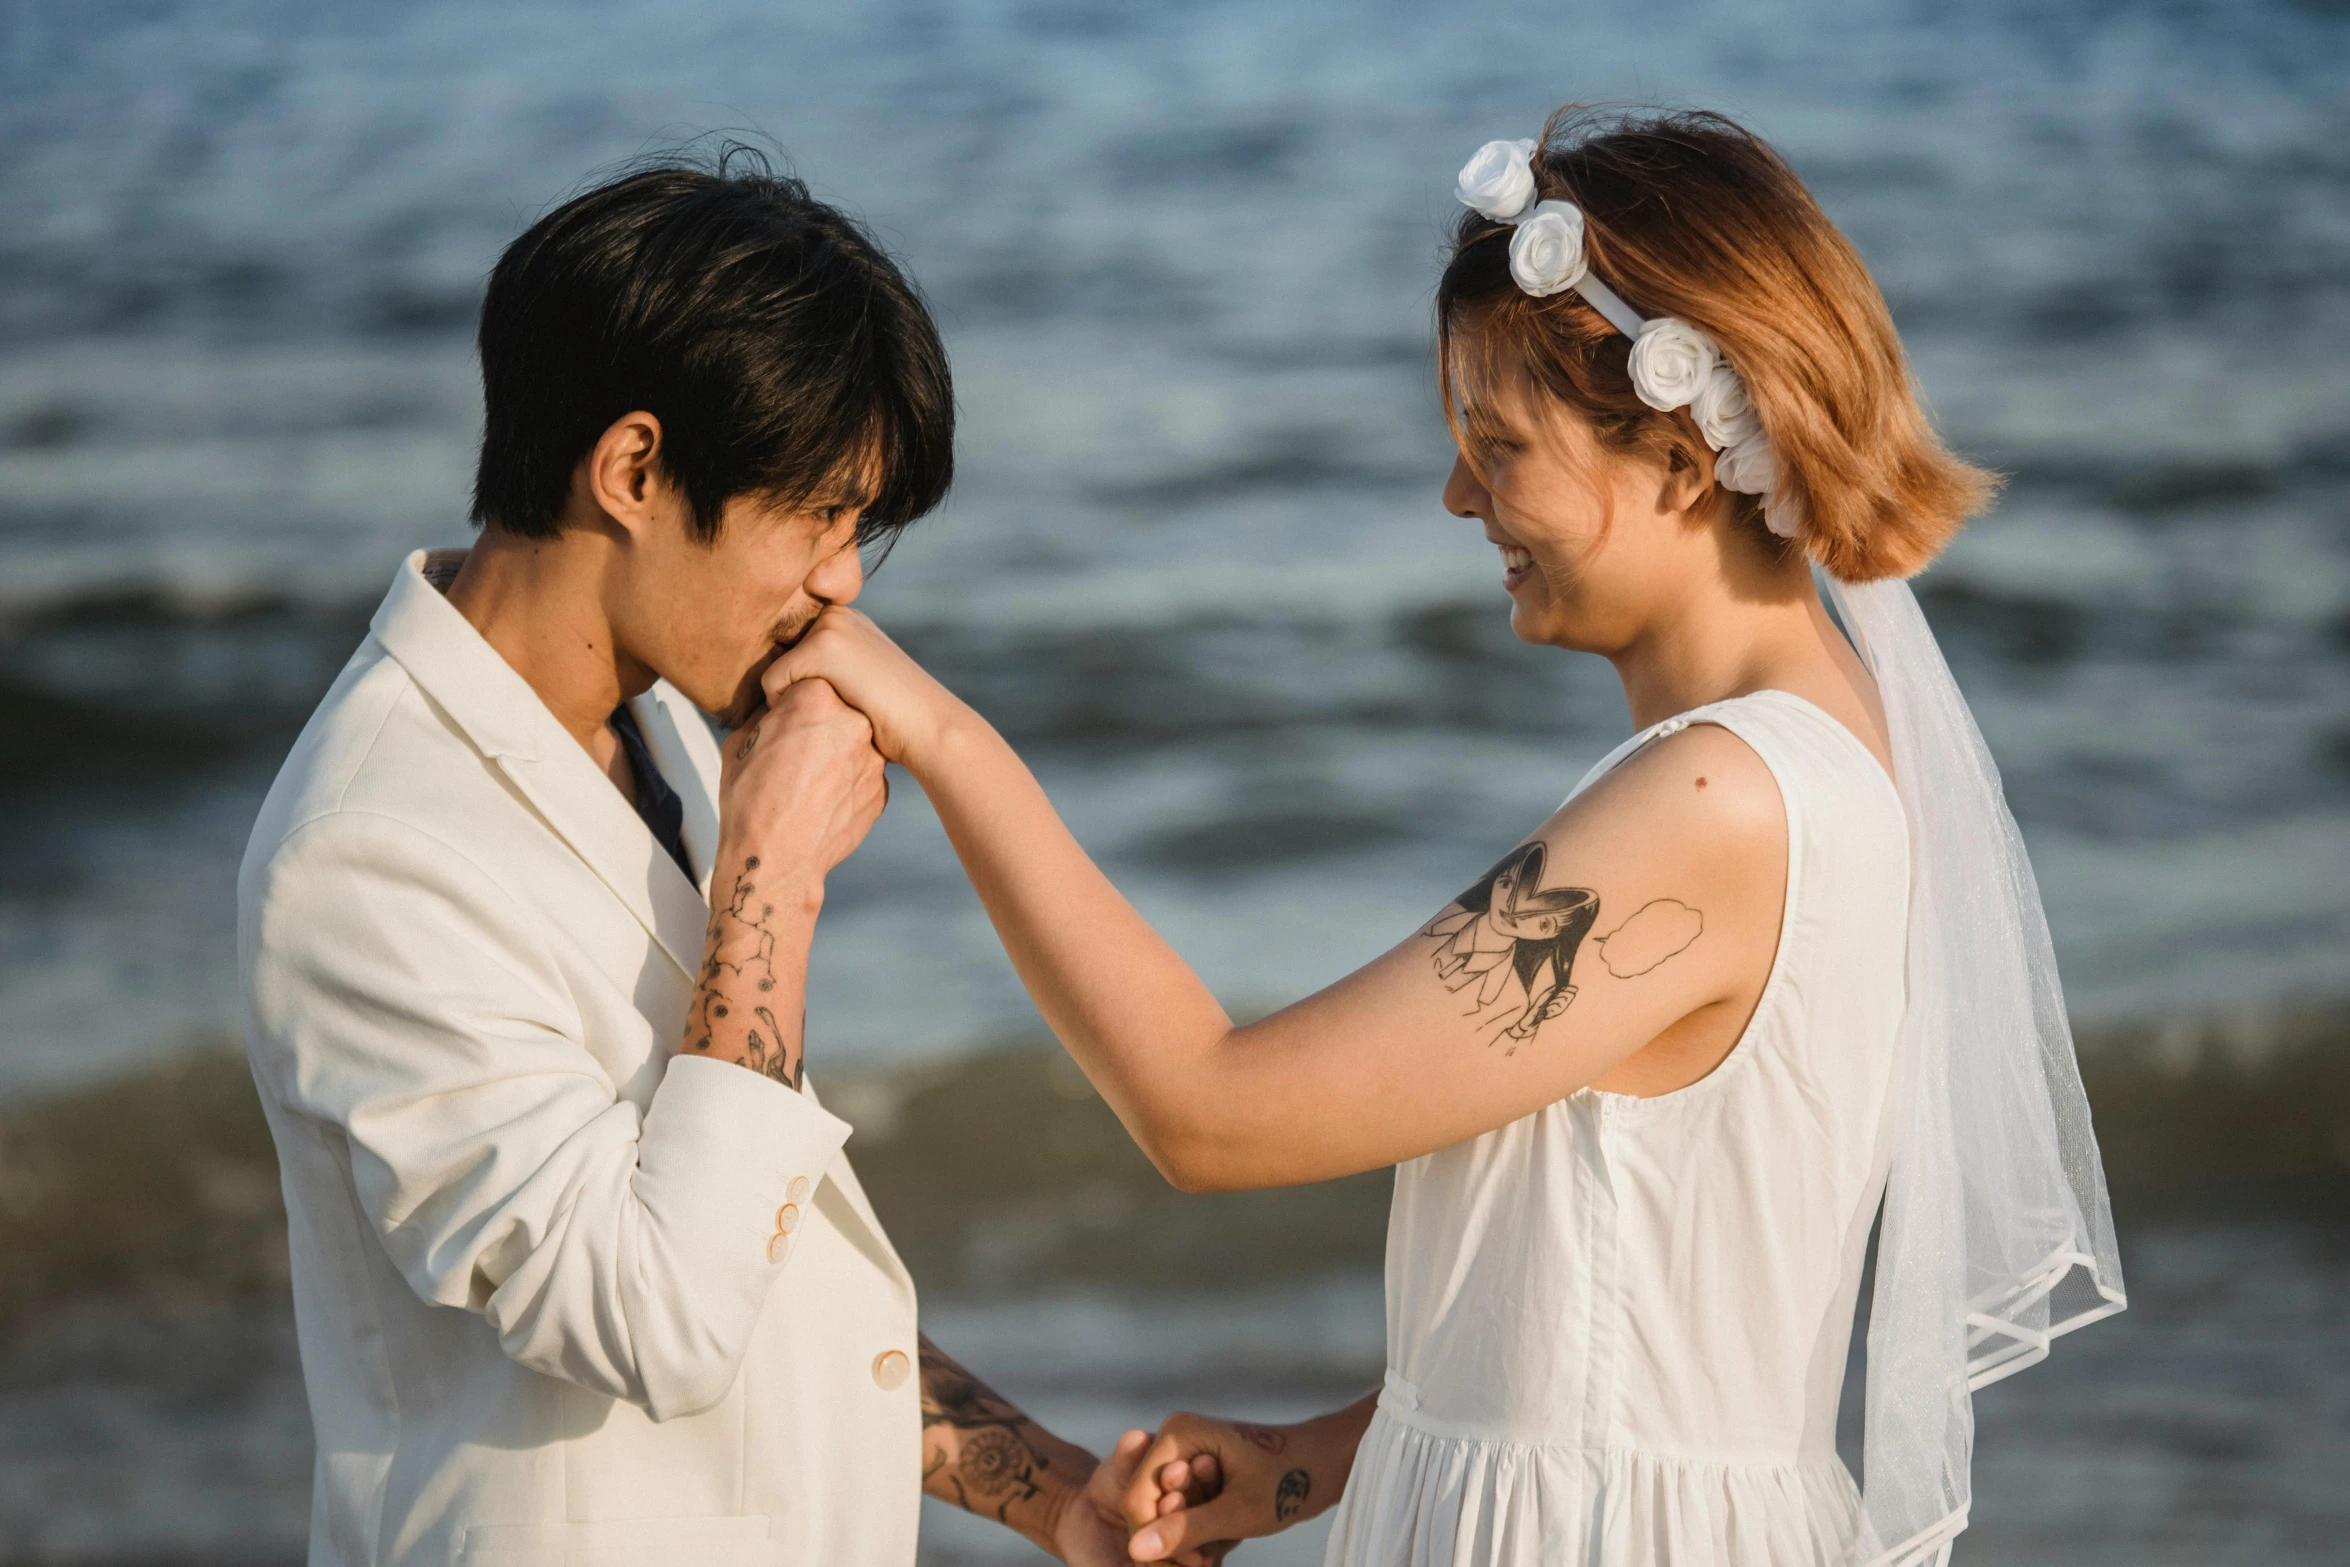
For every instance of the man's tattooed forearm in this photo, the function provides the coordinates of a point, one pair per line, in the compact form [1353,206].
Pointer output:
[1516,942]
[978,1450]
[742,950]
[1290,1496]
[766,1054]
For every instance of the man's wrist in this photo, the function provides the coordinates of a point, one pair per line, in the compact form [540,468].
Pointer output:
[1060,1487]
[795,894]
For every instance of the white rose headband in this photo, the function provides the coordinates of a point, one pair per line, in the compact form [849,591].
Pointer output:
[1673,364]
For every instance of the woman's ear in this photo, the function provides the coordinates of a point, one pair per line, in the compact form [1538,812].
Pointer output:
[1688,479]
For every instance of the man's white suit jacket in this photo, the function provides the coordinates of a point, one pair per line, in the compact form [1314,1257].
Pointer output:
[562,1298]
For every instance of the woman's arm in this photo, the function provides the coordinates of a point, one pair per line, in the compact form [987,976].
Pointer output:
[1644,914]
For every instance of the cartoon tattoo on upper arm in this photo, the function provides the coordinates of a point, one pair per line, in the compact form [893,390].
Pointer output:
[1506,926]
[1516,941]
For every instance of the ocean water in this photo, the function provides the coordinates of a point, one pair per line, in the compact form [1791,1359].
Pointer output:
[1195,565]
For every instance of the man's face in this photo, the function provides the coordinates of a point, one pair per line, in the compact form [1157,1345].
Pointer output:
[710,617]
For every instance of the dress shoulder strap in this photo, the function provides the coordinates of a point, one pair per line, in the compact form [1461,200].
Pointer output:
[1800,743]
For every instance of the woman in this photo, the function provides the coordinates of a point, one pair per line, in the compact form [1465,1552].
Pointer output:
[1648,1080]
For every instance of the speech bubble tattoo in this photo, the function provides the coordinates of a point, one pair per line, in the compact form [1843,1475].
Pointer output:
[1659,929]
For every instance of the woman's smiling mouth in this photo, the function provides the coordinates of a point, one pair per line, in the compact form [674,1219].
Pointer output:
[1517,564]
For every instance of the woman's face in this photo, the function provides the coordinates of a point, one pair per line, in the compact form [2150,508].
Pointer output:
[1574,524]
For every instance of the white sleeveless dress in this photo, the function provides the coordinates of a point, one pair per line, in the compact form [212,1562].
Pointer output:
[1616,1329]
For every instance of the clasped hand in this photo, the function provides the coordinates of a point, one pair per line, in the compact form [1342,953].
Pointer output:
[1200,1486]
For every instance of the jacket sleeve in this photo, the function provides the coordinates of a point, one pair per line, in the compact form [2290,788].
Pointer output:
[402,996]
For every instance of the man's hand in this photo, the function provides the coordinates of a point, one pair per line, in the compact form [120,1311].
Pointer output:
[800,786]
[1088,1531]
[982,1453]
[1094,1527]
[908,708]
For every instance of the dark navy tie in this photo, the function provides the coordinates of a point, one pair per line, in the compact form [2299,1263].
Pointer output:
[656,802]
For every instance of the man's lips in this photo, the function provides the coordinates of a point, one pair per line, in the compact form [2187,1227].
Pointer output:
[753,685]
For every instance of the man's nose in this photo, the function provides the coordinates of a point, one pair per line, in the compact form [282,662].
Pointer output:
[839,577]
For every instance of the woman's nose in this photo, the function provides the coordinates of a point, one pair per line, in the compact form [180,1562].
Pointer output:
[1464,492]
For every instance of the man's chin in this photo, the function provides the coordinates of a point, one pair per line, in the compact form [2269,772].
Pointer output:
[745,704]
[750,696]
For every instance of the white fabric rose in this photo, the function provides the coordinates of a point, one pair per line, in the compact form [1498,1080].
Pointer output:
[1499,181]
[1724,413]
[1546,254]
[1748,467]
[1671,362]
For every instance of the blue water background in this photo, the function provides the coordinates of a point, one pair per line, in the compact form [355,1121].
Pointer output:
[1195,564]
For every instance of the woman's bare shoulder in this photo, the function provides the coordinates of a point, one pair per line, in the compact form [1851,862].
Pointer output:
[1703,785]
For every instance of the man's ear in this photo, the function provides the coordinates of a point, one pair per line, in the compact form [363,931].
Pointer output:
[624,471]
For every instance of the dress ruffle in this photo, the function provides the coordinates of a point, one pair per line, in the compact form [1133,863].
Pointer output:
[1420,1499]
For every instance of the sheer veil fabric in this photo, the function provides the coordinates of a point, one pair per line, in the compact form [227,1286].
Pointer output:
[1995,1235]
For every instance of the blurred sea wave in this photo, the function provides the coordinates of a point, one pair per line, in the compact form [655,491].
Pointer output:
[1195,564]
[1196,569]
[151,1407]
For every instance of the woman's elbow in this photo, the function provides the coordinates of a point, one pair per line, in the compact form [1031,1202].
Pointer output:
[1194,1162]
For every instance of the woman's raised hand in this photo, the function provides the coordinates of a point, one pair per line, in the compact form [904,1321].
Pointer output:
[907,708]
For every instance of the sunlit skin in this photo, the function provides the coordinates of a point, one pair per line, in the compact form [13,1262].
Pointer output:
[1641,564]
[1639,560]
[1620,555]
[626,593]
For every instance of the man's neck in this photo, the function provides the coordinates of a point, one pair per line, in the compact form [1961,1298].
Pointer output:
[540,603]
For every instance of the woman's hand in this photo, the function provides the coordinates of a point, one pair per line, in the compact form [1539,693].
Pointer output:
[1204,1485]
[1091,1529]
[907,708]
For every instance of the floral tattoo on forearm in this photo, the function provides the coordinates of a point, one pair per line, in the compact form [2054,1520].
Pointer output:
[738,965]
[978,1450]
[1516,941]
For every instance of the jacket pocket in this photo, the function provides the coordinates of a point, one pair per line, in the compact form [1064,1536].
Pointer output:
[621,1542]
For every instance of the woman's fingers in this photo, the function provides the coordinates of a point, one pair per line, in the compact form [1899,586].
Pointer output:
[1141,1503]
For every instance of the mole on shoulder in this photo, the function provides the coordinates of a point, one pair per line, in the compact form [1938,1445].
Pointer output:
[1700,783]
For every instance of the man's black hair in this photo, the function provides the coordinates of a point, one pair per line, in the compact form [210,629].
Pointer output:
[784,353]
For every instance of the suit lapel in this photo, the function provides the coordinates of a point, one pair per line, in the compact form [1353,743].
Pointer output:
[842,1177]
[506,721]
[497,710]
[579,802]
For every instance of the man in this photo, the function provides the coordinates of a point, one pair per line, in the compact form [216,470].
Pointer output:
[581,1271]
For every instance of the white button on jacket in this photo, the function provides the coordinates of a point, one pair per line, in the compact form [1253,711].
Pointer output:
[548,1315]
